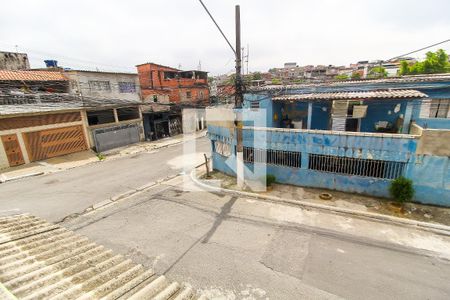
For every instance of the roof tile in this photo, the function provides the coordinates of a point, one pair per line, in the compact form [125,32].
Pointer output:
[30,75]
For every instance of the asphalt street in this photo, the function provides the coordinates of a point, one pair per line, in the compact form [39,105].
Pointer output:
[227,246]
[211,241]
[57,195]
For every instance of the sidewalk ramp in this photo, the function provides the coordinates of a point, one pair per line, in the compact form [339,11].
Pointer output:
[40,260]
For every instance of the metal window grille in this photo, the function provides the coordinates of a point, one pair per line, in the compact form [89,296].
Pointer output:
[439,108]
[99,85]
[356,166]
[222,148]
[127,87]
[254,104]
[272,157]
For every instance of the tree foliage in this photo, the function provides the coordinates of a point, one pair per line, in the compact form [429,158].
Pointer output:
[276,81]
[435,62]
[356,76]
[377,72]
[341,77]
[256,76]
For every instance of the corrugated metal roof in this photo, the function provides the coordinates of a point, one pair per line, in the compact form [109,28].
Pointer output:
[403,79]
[40,260]
[31,75]
[389,94]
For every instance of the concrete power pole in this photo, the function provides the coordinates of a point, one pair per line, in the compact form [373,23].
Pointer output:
[239,98]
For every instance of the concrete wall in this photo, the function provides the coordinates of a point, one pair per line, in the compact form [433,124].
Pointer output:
[14,61]
[434,142]
[79,83]
[434,123]
[430,173]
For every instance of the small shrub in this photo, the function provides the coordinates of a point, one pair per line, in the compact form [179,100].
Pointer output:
[270,179]
[101,156]
[401,189]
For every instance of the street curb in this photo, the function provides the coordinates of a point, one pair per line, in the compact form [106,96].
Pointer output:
[4,179]
[436,228]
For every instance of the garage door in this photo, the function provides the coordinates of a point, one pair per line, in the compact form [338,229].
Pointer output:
[54,142]
[117,136]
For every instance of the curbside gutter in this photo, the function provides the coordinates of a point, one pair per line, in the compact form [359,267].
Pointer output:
[435,228]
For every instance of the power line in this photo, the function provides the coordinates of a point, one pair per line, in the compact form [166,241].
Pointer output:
[412,52]
[218,27]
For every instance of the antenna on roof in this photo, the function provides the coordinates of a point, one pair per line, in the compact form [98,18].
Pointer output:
[17,48]
[199,68]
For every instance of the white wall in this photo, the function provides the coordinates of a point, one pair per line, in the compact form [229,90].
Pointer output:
[79,83]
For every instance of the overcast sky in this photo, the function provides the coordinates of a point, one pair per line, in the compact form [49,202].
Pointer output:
[117,35]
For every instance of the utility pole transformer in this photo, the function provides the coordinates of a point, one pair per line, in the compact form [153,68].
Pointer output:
[238,100]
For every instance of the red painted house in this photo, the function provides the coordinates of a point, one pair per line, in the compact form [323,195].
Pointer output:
[166,84]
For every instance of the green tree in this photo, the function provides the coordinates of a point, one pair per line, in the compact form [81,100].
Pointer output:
[341,77]
[276,81]
[435,62]
[231,79]
[257,76]
[377,72]
[356,76]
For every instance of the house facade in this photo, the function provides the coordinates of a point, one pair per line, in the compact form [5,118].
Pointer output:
[107,85]
[353,137]
[42,116]
[166,91]
[189,87]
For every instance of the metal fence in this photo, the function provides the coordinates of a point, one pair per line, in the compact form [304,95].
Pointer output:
[273,157]
[356,166]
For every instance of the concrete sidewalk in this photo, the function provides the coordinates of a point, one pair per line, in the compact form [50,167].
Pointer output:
[353,210]
[78,159]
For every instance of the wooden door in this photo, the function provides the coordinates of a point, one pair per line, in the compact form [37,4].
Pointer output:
[12,149]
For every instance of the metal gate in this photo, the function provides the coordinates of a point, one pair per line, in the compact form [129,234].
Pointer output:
[54,142]
[114,137]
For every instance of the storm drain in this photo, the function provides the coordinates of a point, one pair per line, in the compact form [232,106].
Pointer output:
[40,260]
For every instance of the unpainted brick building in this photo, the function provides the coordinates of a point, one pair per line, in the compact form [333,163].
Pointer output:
[159,83]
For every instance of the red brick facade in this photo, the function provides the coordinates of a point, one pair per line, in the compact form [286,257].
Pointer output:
[190,87]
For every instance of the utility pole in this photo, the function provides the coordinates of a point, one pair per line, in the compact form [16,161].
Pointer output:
[238,99]
[238,94]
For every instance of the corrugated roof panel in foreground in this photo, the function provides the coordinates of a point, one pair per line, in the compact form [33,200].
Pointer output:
[40,260]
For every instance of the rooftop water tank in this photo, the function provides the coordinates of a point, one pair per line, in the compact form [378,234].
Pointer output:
[51,63]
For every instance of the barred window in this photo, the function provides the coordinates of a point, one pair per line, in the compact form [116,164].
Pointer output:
[356,166]
[439,108]
[222,148]
[127,87]
[272,157]
[99,85]
[254,104]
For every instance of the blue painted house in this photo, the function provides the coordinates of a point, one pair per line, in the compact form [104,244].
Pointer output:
[353,136]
